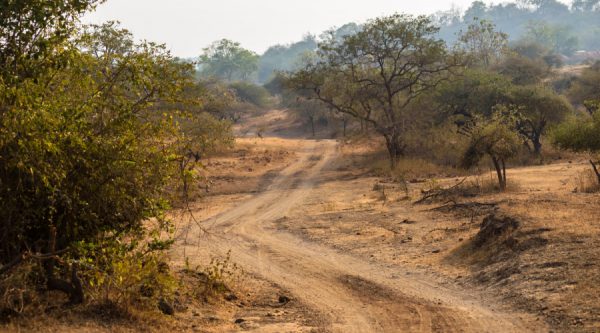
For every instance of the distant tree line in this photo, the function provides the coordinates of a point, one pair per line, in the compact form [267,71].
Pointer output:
[557,28]
[553,24]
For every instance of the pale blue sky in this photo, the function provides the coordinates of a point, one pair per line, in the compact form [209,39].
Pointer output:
[187,26]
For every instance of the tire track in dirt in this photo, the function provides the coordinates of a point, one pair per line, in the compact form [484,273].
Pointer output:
[356,295]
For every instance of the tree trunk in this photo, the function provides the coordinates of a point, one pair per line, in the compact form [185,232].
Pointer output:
[501,172]
[74,288]
[537,145]
[595,167]
[344,124]
[395,149]
[312,126]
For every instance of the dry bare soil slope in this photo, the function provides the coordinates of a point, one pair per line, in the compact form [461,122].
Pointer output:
[352,253]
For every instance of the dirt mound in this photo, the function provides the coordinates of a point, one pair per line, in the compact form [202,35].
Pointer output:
[493,228]
[467,209]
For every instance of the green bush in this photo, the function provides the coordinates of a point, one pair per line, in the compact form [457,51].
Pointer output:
[251,93]
[93,134]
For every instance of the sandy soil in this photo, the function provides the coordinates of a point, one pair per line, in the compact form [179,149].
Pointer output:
[356,254]
[285,235]
[551,274]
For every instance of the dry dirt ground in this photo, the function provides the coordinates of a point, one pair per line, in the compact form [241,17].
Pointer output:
[347,292]
[355,254]
[322,245]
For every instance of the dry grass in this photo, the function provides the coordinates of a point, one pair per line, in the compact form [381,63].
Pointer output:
[587,182]
[550,270]
[412,168]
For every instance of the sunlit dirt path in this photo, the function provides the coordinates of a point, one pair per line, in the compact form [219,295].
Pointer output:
[355,295]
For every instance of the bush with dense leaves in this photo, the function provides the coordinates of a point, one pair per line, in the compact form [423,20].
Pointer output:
[93,133]
[251,93]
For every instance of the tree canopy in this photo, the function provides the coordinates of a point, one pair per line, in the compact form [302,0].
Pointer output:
[581,134]
[496,138]
[585,89]
[375,74]
[483,43]
[228,60]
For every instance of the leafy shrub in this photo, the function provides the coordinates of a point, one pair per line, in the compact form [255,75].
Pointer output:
[251,93]
[124,273]
[92,136]
[214,278]
[581,134]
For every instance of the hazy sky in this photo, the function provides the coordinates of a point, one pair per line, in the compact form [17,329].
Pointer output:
[187,26]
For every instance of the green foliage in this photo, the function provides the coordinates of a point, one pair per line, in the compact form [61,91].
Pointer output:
[215,277]
[251,93]
[228,60]
[558,38]
[219,272]
[496,138]
[483,43]
[529,49]
[125,273]
[92,134]
[473,93]
[538,108]
[82,156]
[216,98]
[376,73]
[586,87]
[277,84]
[206,134]
[579,134]
[524,70]
[32,33]
[537,52]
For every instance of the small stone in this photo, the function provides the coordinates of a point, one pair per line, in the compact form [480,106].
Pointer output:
[165,307]
[239,320]
[283,299]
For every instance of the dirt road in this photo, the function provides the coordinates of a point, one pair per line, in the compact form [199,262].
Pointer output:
[354,294]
